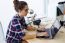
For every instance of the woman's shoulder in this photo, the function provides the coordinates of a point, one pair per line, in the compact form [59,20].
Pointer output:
[15,20]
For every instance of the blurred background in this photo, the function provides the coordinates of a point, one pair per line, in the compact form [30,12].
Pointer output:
[43,8]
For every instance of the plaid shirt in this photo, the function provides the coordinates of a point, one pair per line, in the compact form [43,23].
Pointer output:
[15,29]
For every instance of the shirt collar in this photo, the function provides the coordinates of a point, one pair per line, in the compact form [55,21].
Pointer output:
[18,17]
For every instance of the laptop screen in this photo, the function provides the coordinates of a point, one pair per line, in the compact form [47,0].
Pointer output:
[57,24]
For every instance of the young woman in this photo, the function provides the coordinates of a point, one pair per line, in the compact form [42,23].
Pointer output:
[15,32]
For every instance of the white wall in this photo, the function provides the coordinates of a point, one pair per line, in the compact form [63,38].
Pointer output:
[6,13]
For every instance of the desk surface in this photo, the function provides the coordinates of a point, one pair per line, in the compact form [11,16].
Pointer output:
[59,38]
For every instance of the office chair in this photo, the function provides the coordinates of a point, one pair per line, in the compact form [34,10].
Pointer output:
[2,38]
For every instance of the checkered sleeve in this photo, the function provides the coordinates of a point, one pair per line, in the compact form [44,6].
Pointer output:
[17,29]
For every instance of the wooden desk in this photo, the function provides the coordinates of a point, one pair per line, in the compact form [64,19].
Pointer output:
[59,38]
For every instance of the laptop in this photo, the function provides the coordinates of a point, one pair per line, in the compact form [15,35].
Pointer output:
[57,24]
[55,28]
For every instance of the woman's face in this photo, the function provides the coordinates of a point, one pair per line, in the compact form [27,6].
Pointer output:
[24,11]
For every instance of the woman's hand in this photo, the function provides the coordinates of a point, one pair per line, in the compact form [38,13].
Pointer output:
[29,35]
[24,41]
[30,28]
